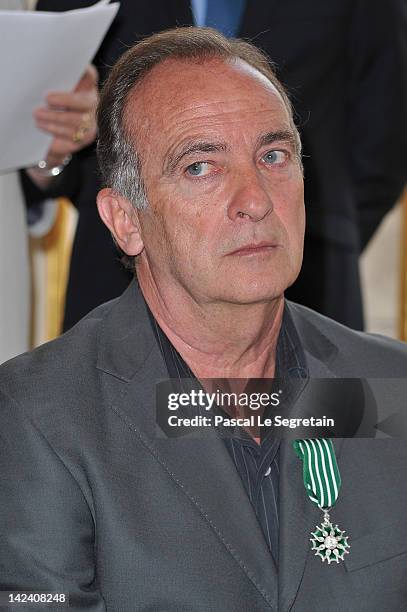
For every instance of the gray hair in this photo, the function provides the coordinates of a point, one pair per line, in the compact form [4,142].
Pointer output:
[118,159]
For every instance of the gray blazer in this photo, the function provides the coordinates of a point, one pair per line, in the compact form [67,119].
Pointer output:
[94,504]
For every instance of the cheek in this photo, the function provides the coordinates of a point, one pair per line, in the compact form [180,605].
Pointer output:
[174,234]
[189,224]
[291,212]
[195,238]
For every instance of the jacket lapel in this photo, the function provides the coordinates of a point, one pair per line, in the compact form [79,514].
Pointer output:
[298,516]
[199,465]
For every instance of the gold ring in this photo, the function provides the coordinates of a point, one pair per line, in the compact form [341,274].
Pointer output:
[78,136]
[83,127]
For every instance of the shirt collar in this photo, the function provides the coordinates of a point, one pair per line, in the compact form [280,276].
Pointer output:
[290,356]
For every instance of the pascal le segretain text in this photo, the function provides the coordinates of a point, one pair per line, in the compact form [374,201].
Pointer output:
[254,420]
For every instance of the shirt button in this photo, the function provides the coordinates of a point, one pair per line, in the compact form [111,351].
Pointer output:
[268,472]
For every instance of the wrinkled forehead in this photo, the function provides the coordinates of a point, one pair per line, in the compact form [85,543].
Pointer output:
[177,89]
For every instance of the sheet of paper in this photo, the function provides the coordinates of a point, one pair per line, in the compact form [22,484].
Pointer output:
[42,52]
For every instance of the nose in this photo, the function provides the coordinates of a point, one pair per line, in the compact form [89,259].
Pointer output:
[250,199]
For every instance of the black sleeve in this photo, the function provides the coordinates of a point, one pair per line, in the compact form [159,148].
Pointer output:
[46,526]
[377,108]
[78,181]
[66,184]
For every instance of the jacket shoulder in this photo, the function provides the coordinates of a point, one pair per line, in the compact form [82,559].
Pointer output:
[357,353]
[63,364]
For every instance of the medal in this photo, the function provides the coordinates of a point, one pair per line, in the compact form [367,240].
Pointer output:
[329,541]
[322,483]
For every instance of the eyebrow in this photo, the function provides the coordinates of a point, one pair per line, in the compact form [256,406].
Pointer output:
[287,136]
[193,146]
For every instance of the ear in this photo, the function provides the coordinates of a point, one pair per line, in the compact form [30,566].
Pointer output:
[119,215]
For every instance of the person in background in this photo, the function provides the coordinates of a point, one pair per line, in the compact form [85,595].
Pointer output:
[342,63]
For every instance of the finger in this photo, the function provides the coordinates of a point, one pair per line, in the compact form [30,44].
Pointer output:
[57,129]
[75,101]
[42,109]
[63,118]
[75,139]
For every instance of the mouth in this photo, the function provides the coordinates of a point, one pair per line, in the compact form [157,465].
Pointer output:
[259,248]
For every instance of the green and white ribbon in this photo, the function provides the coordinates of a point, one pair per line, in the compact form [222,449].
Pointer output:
[321,476]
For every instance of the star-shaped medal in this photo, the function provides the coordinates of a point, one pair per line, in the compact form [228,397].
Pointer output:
[329,542]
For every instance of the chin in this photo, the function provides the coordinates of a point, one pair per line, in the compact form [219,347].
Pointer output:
[255,295]
[265,288]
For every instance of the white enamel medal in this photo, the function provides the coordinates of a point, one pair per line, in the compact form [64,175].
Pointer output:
[329,542]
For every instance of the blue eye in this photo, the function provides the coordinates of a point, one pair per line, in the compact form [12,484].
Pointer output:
[274,157]
[198,169]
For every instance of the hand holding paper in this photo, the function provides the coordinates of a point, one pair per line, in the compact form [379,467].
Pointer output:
[42,53]
[70,117]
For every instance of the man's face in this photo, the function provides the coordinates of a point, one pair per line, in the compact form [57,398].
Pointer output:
[226,216]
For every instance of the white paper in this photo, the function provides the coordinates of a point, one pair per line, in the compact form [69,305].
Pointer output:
[42,52]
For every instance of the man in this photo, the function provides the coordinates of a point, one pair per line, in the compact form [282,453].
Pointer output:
[204,188]
[339,61]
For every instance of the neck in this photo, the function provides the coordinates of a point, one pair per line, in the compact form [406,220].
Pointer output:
[217,339]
